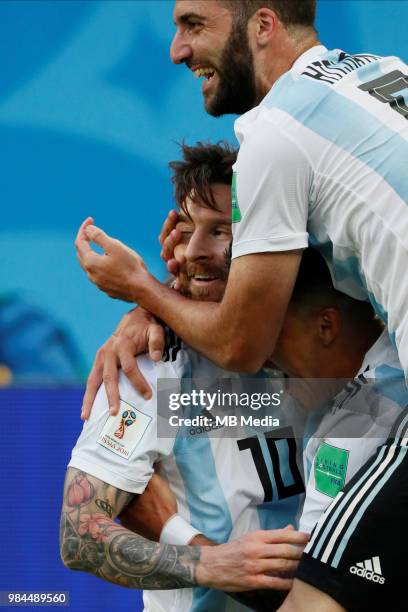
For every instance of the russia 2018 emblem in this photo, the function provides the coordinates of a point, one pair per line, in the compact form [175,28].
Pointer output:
[123,432]
[128,418]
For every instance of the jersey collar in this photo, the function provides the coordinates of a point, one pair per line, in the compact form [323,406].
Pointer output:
[377,354]
[309,56]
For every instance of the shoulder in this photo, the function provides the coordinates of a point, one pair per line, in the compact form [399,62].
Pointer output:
[270,139]
[173,368]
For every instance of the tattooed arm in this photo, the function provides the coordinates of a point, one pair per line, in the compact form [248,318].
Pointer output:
[91,541]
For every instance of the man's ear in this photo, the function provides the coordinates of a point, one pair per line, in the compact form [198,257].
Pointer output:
[264,24]
[329,325]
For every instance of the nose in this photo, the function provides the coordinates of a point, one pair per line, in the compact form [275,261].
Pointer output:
[180,49]
[197,248]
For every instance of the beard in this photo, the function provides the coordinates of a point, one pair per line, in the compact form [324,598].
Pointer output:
[220,272]
[236,92]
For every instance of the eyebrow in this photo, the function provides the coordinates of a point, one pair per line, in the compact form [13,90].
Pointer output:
[185,17]
[183,217]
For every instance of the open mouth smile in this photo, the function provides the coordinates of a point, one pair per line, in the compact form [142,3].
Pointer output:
[201,71]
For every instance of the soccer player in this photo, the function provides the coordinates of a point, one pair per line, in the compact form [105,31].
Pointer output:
[298,173]
[216,480]
[318,339]
[322,159]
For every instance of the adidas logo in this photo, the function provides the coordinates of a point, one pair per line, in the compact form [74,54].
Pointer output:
[369,569]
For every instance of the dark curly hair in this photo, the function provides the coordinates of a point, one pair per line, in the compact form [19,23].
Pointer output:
[201,166]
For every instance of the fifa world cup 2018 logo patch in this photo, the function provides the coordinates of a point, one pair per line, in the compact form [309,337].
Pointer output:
[128,418]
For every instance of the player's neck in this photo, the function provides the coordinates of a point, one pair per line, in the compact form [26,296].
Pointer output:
[277,63]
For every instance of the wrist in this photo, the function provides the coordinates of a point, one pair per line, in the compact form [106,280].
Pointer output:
[204,575]
[140,290]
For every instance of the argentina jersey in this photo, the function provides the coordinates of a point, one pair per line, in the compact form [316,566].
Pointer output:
[358,421]
[226,487]
[121,450]
[323,161]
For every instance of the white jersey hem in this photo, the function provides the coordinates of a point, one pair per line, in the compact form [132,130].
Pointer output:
[266,245]
[114,479]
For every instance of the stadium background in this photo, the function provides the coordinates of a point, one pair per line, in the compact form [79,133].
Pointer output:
[90,113]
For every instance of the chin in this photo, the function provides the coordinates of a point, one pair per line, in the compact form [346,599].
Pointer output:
[210,109]
[216,105]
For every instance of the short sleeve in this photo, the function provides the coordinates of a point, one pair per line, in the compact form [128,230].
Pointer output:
[121,450]
[335,462]
[271,186]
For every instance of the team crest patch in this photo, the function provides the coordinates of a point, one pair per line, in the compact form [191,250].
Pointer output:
[122,433]
[330,468]
[235,212]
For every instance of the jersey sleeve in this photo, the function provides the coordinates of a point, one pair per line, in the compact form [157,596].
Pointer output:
[122,450]
[270,194]
[335,462]
[361,418]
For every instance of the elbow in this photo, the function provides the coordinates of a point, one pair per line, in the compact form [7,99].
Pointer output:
[67,562]
[68,556]
[241,357]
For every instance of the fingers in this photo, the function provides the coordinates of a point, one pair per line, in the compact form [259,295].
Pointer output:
[87,257]
[155,341]
[98,236]
[92,385]
[170,244]
[81,235]
[274,567]
[284,536]
[168,226]
[128,363]
[82,241]
[177,286]
[281,551]
[111,381]
[173,266]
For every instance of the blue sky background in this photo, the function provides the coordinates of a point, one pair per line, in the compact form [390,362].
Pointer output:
[91,110]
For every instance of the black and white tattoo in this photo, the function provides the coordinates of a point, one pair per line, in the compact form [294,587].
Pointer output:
[91,541]
[105,506]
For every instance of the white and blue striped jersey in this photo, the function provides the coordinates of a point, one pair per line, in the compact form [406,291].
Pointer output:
[365,409]
[323,160]
[225,487]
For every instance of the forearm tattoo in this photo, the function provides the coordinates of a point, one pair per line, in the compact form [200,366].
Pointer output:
[91,541]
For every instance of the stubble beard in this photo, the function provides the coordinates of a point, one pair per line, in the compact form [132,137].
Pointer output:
[203,293]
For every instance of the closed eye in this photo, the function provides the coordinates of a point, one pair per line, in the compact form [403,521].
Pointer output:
[193,25]
[221,232]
